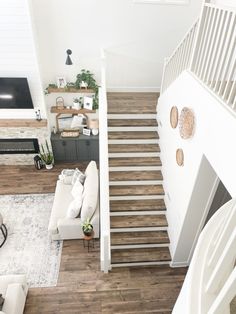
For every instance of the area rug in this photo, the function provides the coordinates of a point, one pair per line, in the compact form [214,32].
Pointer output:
[28,248]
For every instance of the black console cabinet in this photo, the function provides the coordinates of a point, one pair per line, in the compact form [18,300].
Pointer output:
[82,148]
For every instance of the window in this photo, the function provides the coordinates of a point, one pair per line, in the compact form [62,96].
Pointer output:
[173,2]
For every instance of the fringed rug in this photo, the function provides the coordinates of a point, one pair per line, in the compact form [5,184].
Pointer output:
[28,248]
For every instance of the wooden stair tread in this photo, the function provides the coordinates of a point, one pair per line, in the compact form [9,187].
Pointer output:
[136,190]
[137,205]
[133,135]
[160,254]
[134,161]
[135,175]
[138,221]
[131,122]
[140,237]
[132,95]
[133,148]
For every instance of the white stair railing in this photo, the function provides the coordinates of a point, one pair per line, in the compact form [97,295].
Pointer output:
[210,284]
[180,59]
[209,53]
[214,61]
[105,251]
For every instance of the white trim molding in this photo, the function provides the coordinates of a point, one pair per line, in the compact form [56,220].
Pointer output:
[165,2]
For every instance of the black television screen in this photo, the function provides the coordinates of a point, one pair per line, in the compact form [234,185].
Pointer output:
[15,93]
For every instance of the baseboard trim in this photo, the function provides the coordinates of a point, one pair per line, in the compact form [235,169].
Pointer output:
[179,264]
[120,89]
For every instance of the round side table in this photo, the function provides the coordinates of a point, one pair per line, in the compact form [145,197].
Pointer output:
[88,241]
[3,229]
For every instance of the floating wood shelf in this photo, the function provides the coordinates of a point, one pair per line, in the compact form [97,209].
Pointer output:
[65,110]
[54,109]
[21,123]
[70,90]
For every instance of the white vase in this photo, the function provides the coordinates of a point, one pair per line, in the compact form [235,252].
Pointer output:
[49,167]
[95,131]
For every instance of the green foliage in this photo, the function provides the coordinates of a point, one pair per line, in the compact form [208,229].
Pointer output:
[87,226]
[76,100]
[45,154]
[88,77]
[84,76]
[46,91]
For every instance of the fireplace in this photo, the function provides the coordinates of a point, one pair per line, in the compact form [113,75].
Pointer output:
[19,146]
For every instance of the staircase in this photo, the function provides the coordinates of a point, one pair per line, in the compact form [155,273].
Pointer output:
[138,222]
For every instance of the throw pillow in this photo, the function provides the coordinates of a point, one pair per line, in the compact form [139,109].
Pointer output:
[74,208]
[66,176]
[78,175]
[77,190]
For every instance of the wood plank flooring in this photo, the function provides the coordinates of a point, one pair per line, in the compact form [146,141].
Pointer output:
[81,287]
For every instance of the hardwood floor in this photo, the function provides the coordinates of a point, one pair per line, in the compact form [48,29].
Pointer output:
[81,287]
[28,180]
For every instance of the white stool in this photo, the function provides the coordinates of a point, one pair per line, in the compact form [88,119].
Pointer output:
[3,228]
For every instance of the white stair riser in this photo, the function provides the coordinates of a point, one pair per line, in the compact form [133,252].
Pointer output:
[135,168]
[146,182]
[131,128]
[138,246]
[141,154]
[136,197]
[133,141]
[140,264]
[138,213]
[139,229]
[134,116]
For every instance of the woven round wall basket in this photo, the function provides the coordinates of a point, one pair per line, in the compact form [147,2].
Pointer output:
[180,157]
[174,116]
[186,123]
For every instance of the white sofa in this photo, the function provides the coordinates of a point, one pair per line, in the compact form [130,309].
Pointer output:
[14,290]
[63,228]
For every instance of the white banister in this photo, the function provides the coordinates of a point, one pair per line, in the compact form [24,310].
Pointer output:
[225,263]
[180,59]
[208,51]
[105,254]
[225,233]
[221,303]
[209,289]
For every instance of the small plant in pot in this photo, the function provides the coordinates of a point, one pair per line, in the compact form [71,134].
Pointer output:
[87,227]
[46,155]
[76,103]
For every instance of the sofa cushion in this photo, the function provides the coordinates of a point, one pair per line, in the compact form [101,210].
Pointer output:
[90,194]
[62,198]
[74,207]
[77,189]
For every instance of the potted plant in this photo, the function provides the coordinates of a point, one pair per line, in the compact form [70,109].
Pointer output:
[86,78]
[76,103]
[87,227]
[46,155]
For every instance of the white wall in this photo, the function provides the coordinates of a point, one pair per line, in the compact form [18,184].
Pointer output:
[137,38]
[214,137]
[17,53]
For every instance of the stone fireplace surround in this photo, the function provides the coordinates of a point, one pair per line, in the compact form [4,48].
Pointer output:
[22,128]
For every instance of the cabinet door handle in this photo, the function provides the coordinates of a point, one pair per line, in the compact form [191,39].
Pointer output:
[63,143]
[87,143]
